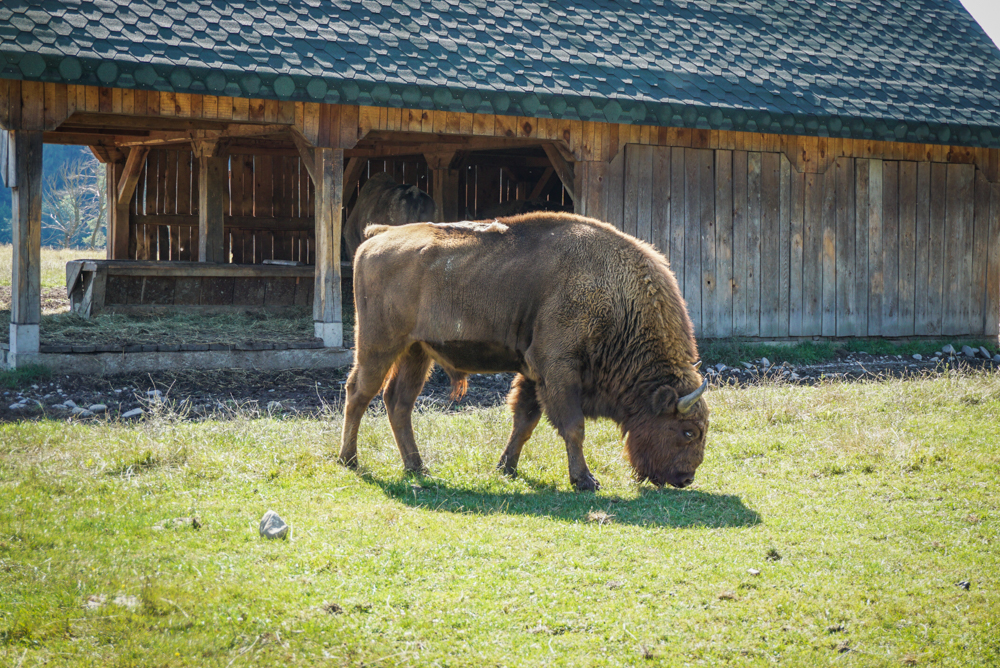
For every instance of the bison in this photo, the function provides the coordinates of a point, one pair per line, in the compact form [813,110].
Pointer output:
[384,201]
[589,318]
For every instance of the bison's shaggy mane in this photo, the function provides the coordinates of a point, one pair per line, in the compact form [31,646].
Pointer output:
[642,335]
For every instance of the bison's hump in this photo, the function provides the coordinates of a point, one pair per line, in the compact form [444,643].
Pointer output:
[473,226]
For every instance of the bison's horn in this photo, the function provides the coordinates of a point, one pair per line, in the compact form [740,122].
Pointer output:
[697,364]
[686,403]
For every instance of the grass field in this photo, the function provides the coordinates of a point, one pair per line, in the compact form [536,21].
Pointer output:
[841,524]
[53,272]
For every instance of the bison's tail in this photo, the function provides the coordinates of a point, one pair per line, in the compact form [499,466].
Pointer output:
[459,383]
[372,230]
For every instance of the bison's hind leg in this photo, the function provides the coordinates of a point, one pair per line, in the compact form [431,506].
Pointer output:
[523,402]
[406,380]
[363,383]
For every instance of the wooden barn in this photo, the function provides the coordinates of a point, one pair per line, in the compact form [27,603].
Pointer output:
[811,168]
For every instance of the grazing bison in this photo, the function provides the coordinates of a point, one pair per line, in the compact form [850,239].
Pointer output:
[589,318]
[384,201]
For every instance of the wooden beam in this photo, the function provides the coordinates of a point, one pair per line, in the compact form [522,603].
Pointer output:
[25,152]
[352,173]
[563,169]
[329,168]
[268,223]
[126,177]
[213,172]
[308,155]
[7,171]
[542,183]
[444,186]
[440,159]
[119,123]
[130,175]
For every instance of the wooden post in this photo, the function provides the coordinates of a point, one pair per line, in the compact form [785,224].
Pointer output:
[445,185]
[24,150]
[329,171]
[126,178]
[112,171]
[212,176]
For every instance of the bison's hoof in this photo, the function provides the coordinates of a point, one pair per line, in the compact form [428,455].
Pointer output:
[349,462]
[587,484]
[508,471]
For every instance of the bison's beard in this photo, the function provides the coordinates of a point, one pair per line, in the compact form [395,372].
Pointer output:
[660,460]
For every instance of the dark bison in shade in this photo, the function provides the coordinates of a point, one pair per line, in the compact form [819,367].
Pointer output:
[589,318]
[385,202]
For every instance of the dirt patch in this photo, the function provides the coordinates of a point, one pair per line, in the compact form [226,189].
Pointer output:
[54,300]
[202,394]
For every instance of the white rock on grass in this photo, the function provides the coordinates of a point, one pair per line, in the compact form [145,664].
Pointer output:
[968,352]
[720,367]
[69,403]
[765,362]
[918,357]
[948,349]
[97,408]
[996,358]
[15,407]
[985,353]
[272,526]
[135,412]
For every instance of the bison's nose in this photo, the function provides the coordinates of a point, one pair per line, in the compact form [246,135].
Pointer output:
[682,480]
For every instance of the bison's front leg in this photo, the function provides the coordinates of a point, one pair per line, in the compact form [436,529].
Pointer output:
[523,402]
[565,411]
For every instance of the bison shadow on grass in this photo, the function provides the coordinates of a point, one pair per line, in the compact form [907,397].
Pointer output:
[653,507]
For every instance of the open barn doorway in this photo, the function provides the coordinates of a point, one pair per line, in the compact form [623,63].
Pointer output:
[473,185]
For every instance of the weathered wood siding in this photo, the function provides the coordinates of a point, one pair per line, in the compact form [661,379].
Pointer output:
[867,247]
[269,209]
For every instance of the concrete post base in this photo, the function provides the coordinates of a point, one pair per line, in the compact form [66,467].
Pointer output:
[23,338]
[23,343]
[332,333]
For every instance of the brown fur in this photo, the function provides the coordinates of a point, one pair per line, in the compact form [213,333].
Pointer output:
[384,201]
[590,318]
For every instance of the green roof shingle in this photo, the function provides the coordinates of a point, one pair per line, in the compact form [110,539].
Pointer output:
[909,70]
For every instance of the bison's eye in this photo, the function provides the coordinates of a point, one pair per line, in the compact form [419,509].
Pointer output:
[688,434]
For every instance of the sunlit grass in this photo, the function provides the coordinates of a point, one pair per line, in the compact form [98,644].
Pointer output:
[859,508]
[53,264]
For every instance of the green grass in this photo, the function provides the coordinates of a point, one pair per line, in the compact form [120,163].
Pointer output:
[53,270]
[23,376]
[861,506]
[733,351]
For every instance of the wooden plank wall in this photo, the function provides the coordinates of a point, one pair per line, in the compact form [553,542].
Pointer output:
[269,209]
[866,248]
[168,186]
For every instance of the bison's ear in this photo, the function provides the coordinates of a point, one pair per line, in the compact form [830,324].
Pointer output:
[663,400]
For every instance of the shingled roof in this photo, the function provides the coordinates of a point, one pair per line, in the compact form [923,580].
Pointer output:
[899,70]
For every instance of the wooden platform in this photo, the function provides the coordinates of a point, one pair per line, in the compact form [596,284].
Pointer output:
[135,286]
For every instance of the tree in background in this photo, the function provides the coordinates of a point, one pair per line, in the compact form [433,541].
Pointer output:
[74,204]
